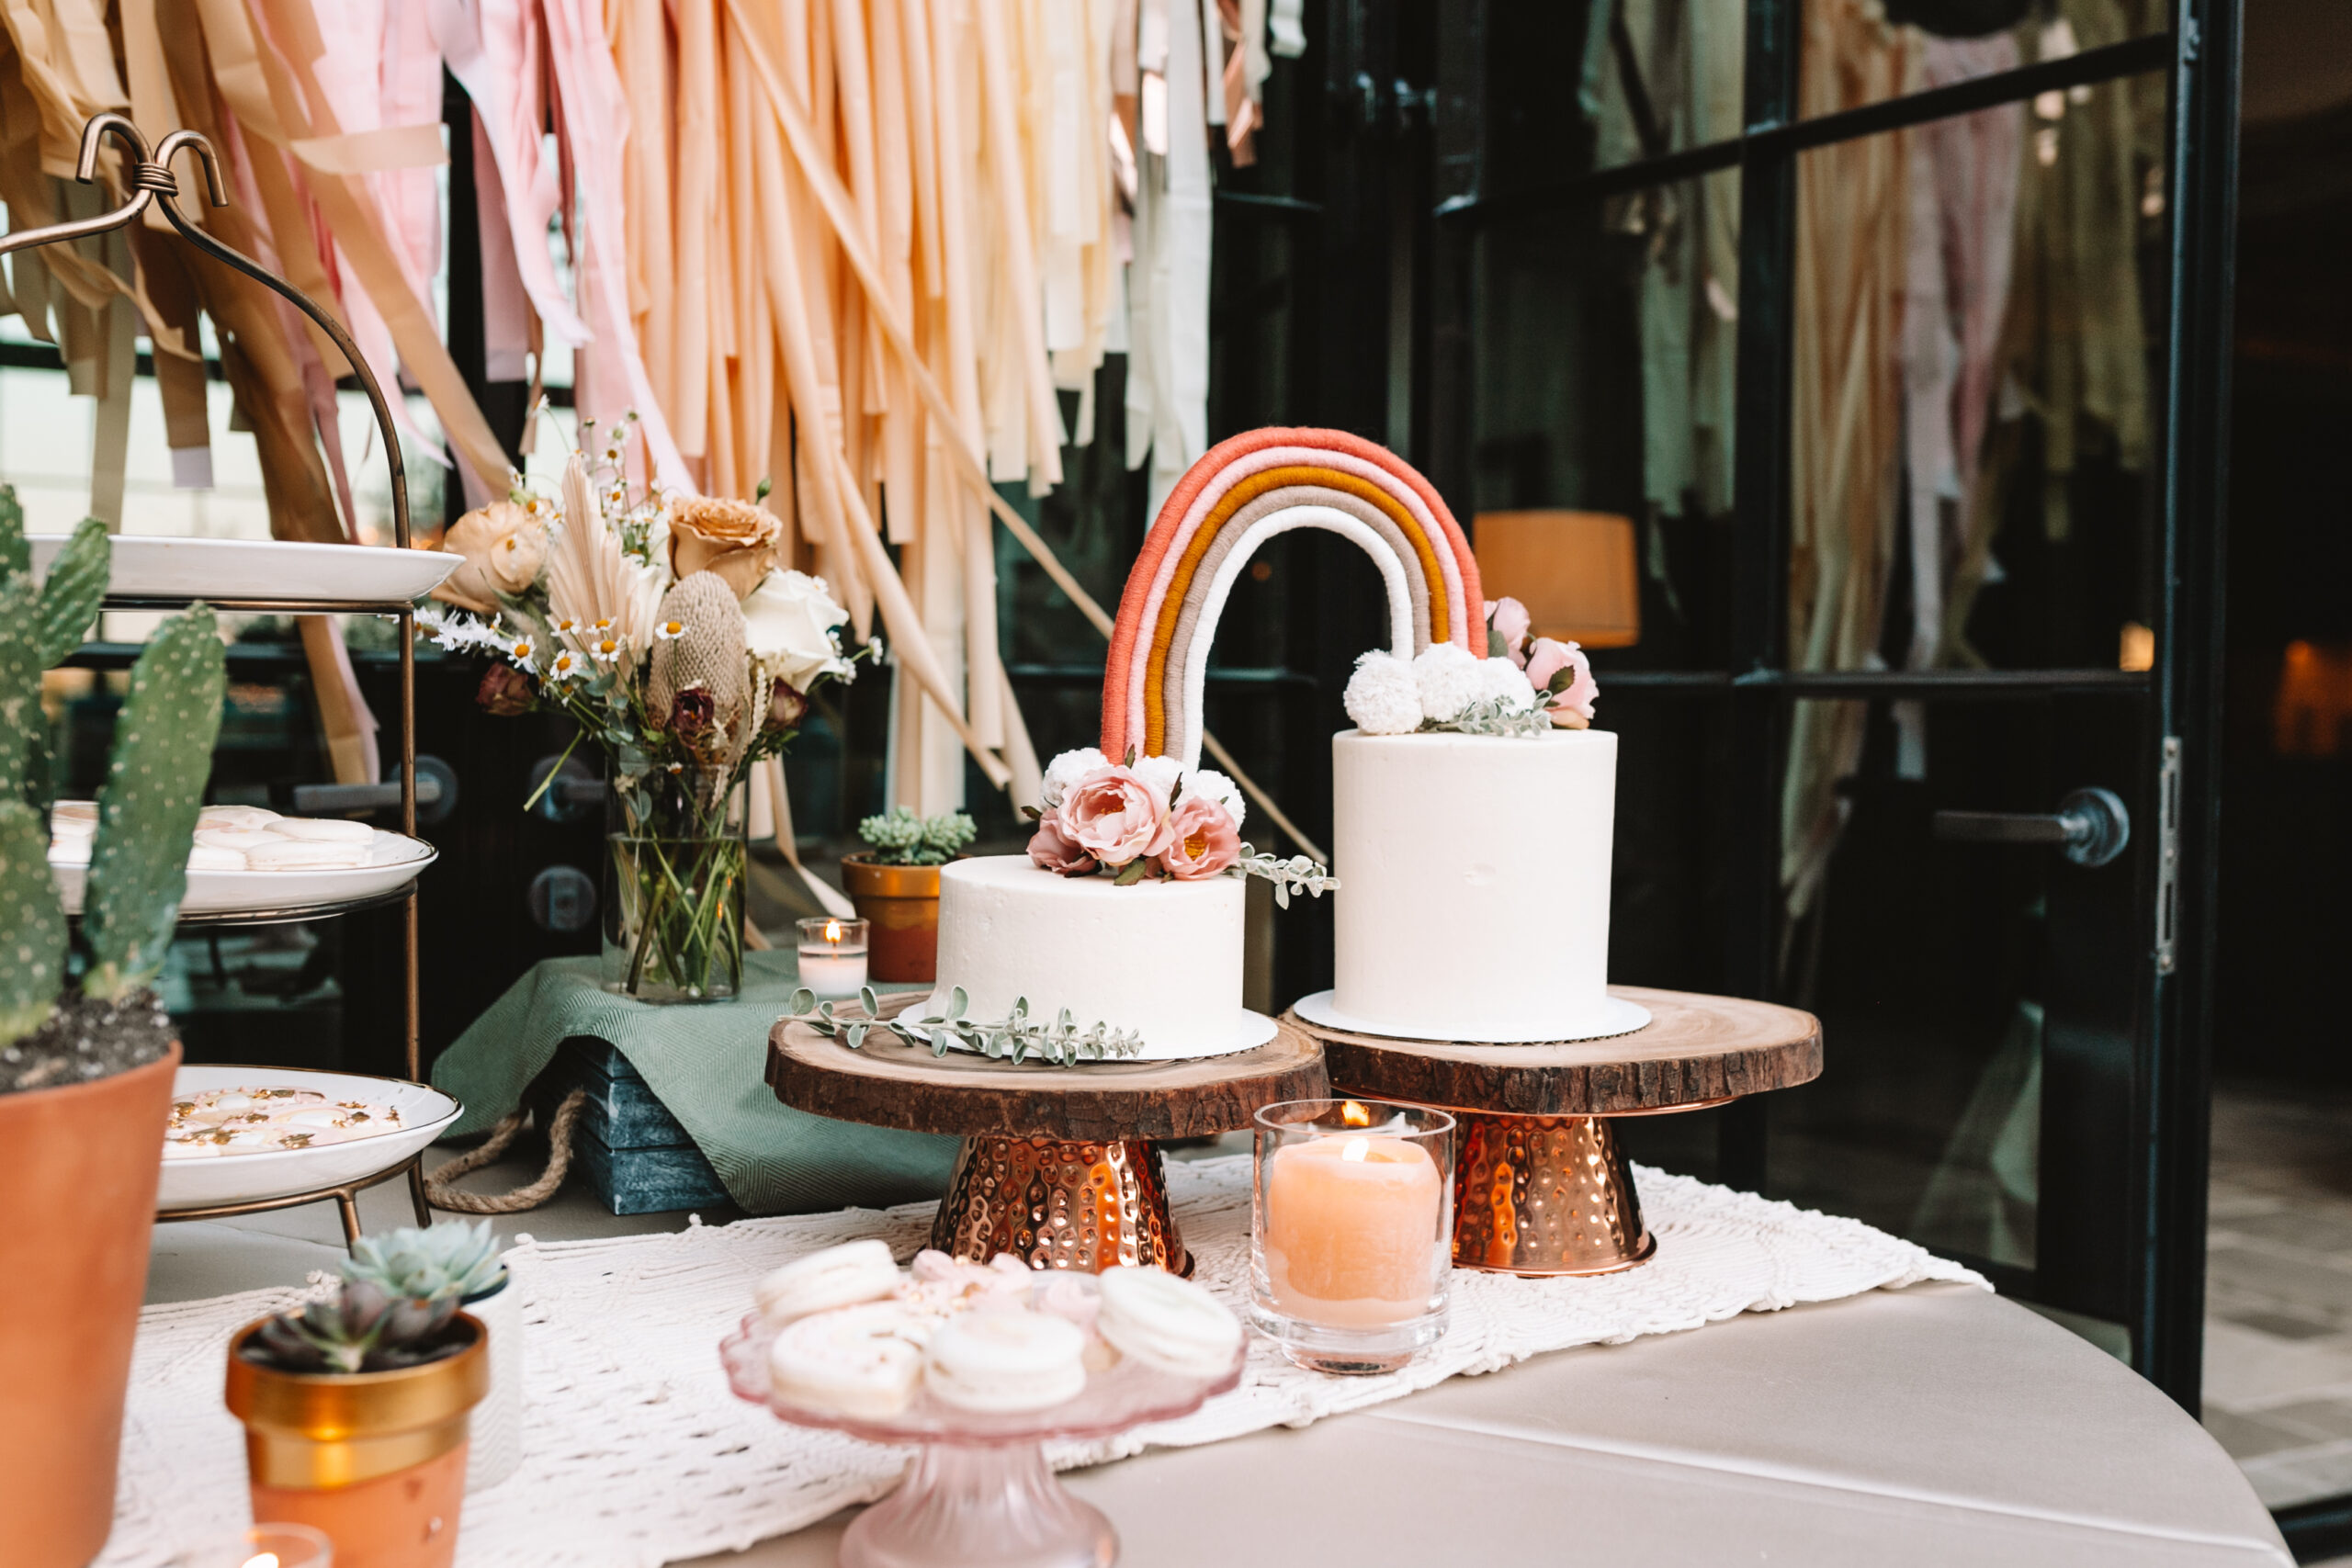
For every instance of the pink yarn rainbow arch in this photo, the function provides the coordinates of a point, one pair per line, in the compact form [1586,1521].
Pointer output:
[1242,492]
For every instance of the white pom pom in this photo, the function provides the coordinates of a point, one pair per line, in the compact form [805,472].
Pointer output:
[1159,775]
[1502,679]
[1382,695]
[1067,770]
[1450,679]
[1217,787]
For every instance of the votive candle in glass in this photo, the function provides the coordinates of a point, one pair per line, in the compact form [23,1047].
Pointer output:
[1352,1239]
[267,1546]
[832,956]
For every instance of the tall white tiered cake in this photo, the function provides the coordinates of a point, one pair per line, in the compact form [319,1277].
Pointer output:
[1474,887]
[1162,958]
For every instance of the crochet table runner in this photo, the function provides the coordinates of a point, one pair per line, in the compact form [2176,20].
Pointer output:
[634,1453]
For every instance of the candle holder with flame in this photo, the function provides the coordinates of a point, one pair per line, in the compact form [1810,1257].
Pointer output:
[1352,1233]
[832,956]
[268,1546]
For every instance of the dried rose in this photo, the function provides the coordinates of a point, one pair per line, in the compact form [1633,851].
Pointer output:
[1114,817]
[692,713]
[504,545]
[504,691]
[1053,848]
[1202,840]
[733,539]
[787,707]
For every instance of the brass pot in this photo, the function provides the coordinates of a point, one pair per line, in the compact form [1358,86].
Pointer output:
[376,1460]
[900,906]
[79,1164]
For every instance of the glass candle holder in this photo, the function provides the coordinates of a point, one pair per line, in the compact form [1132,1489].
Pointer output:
[268,1546]
[1351,1231]
[832,956]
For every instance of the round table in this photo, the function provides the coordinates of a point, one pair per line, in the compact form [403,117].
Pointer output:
[1540,1183]
[1059,1165]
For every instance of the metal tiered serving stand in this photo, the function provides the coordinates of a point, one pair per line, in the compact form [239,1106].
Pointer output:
[152,184]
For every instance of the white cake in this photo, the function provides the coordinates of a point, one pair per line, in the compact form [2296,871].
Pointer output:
[1474,886]
[1162,958]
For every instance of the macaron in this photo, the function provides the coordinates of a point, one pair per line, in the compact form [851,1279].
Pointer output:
[237,838]
[323,829]
[859,1360]
[837,1277]
[1167,1323]
[211,857]
[242,818]
[1002,1362]
[295,854]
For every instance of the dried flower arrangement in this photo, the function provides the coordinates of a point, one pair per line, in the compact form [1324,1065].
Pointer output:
[666,629]
[1526,685]
[899,837]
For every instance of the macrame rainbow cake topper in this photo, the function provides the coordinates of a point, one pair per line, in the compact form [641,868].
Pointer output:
[1242,492]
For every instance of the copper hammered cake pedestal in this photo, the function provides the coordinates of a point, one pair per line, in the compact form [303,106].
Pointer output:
[1058,1165]
[1541,1185]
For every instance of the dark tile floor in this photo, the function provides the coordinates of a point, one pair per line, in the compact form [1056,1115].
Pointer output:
[2278,1290]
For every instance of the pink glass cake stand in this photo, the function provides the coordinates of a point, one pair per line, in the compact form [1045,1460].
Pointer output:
[979,1494]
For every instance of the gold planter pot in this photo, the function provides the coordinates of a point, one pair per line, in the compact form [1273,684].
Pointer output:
[377,1461]
[900,906]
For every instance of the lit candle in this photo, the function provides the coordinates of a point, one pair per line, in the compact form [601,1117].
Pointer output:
[1352,1229]
[832,956]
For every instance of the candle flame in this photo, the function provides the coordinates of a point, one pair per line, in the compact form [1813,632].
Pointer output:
[262,1560]
[1355,1115]
[833,931]
[1356,1149]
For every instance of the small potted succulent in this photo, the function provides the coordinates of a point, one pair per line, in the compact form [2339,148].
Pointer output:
[356,1408]
[894,881]
[86,1053]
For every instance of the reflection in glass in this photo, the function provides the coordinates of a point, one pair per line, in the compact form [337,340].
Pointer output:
[1860,51]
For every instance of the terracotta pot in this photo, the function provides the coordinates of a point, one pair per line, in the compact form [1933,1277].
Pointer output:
[376,1460]
[901,905]
[79,1165]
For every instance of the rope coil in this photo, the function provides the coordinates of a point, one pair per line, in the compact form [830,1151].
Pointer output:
[441,1195]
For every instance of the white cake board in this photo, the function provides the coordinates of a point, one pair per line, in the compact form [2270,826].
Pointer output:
[1614,1016]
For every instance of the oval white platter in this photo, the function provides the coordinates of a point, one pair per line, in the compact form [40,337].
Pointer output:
[394,861]
[152,565]
[202,1181]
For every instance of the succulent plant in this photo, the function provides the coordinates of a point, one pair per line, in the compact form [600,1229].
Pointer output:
[429,1263]
[365,1328]
[899,837]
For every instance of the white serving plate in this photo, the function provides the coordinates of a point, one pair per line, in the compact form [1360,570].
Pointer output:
[394,861]
[150,566]
[200,1183]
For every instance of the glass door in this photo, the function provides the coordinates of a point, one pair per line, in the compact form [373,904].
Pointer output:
[1895,337]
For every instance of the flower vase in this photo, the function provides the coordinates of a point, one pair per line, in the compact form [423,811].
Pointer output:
[675,872]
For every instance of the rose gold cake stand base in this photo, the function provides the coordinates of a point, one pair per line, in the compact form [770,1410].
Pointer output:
[1541,1182]
[1057,1203]
[1058,1165]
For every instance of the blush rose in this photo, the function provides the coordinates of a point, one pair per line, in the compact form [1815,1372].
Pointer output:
[1053,849]
[1114,817]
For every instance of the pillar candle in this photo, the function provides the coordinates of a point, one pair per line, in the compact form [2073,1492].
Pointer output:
[1351,1226]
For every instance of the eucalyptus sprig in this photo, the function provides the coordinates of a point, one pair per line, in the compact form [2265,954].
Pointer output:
[1296,875]
[1016,1038]
[1496,716]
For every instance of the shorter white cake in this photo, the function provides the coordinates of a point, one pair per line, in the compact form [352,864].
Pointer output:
[1160,958]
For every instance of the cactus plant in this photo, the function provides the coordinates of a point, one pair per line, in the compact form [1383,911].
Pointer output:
[32,950]
[148,806]
[22,723]
[70,594]
[39,627]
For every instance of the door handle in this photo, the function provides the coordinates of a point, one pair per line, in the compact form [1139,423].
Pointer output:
[436,793]
[2090,825]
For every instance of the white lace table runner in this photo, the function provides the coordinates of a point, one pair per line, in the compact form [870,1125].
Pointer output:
[636,1454]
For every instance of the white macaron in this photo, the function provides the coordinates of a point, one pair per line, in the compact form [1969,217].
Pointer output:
[1167,1323]
[1004,1360]
[323,829]
[859,1360]
[837,1277]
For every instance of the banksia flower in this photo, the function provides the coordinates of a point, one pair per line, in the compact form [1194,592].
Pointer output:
[709,654]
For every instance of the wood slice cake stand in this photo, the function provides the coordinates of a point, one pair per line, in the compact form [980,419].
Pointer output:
[1540,1184]
[1058,1165]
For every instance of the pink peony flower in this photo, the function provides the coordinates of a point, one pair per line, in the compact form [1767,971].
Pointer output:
[1114,817]
[1563,676]
[1202,840]
[1508,619]
[1052,848]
